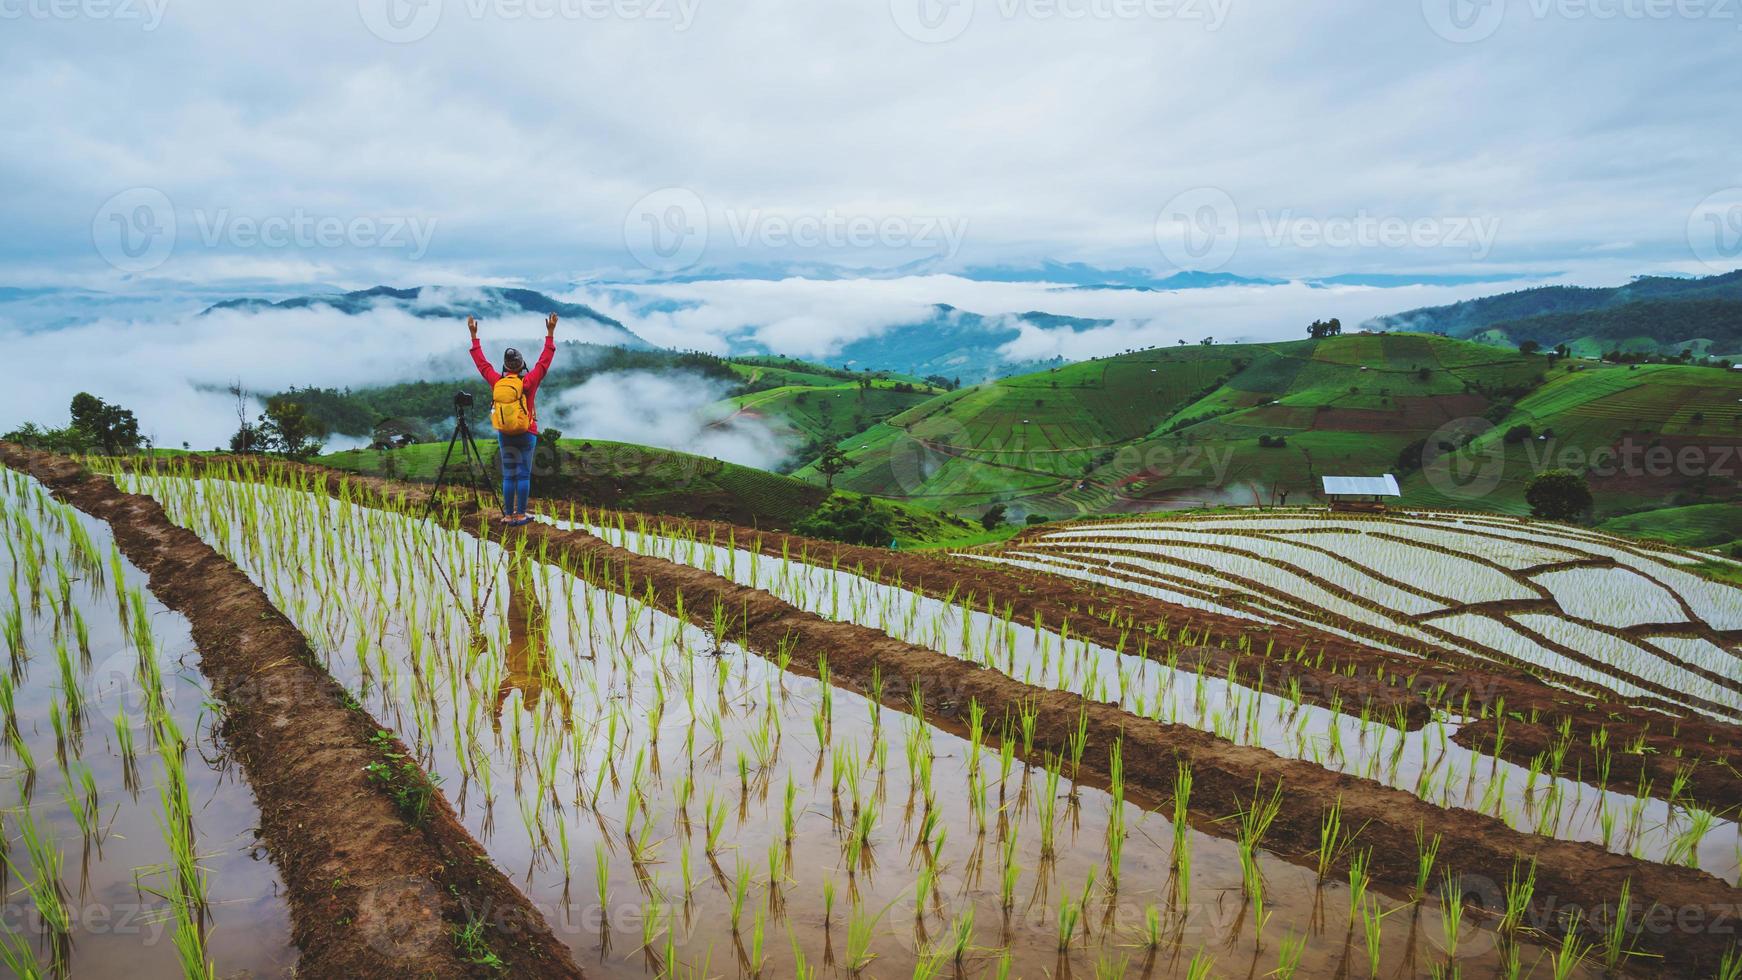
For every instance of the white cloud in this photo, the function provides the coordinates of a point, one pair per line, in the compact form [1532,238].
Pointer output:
[525,141]
[814,318]
[670,411]
[172,372]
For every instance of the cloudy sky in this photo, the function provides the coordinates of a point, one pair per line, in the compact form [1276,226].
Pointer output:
[355,141]
[162,154]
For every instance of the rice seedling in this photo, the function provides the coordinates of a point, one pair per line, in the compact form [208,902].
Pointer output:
[1564,960]
[1426,853]
[861,929]
[1372,933]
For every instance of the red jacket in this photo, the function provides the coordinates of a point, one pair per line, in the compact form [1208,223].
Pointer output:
[528,381]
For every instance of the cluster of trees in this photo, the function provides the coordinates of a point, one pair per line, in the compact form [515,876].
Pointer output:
[849,518]
[1558,495]
[1320,329]
[286,428]
[96,427]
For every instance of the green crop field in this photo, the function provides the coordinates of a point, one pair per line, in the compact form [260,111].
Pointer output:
[1714,526]
[825,413]
[1244,424]
[623,476]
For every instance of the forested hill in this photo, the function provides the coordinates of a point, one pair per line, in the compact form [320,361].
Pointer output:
[1474,317]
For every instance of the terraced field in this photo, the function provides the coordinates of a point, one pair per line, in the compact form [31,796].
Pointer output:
[1255,424]
[682,749]
[1578,609]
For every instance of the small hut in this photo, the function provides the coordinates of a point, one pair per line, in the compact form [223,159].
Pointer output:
[1360,493]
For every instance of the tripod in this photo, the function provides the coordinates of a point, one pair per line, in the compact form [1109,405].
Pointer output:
[470,457]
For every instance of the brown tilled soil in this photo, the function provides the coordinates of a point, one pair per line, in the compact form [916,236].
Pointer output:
[1380,678]
[1638,757]
[1689,917]
[370,894]
[1691,928]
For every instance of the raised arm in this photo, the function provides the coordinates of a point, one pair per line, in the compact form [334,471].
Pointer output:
[536,375]
[484,368]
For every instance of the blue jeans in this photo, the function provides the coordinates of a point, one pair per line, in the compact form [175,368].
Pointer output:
[516,455]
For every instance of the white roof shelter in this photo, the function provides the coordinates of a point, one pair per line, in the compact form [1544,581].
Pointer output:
[1362,486]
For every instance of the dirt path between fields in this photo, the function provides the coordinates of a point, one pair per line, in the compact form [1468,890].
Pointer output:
[370,893]
[1385,680]
[1694,913]
[1687,919]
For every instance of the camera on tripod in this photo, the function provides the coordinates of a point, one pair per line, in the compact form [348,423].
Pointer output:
[470,458]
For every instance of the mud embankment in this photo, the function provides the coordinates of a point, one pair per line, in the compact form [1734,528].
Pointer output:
[370,893]
[1692,924]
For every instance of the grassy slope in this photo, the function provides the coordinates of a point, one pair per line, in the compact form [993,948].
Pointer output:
[659,481]
[1647,410]
[1181,427]
[1142,429]
[826,413]
[1715,526]
[1032,434]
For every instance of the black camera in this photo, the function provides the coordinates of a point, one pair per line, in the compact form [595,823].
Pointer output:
[462,399]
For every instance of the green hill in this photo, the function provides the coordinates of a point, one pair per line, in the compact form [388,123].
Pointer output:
[621,476]
[821,409]
[1703,327]
[1168,427]
[1648,437]
[1715,526]
[1245,424]
[1649,315]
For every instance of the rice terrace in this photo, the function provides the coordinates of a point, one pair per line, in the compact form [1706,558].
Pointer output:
[1287,741]
[871,490]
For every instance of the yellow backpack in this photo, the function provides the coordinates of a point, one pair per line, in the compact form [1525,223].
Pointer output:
[508,412]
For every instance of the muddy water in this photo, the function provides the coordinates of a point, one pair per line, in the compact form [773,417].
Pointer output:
[584,737]
[114,879]
[1426,763]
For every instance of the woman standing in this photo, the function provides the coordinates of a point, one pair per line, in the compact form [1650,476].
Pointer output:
[514,415]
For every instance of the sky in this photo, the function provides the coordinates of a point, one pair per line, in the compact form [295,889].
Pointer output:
[163,154]
[355,141]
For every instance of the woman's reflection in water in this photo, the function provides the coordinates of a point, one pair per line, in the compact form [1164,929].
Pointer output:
[528,655]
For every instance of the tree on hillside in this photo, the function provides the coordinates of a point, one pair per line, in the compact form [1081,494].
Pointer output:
[849,519]
[111,428]
[1320,329]
[1529,347]
[832,464]
[287,428]
[247,438]
[994,517]
[1558,495]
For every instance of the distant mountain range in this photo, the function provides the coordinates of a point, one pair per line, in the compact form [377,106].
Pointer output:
[1651,314]
[1078,275]
[442,303]
[951,342]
